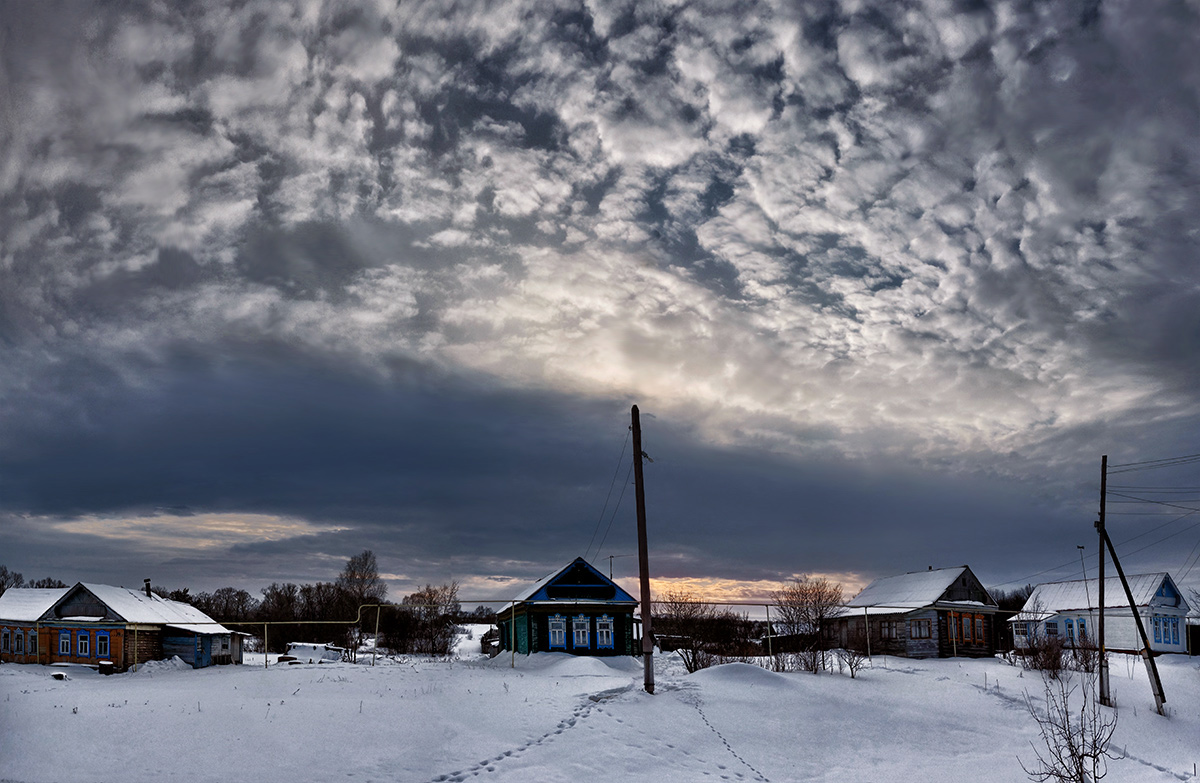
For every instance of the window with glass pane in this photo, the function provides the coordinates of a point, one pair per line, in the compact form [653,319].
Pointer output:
[979,629]
[558,631]
[83,645]
[102,645]
[64,643]
[19,643]
[579,628]
[604,632]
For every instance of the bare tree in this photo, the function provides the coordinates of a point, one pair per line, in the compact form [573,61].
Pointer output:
[361,581]
[681,621]
[805,606]
[1074,732]
[47,582]
[853,656]
[10,579]
[434,610]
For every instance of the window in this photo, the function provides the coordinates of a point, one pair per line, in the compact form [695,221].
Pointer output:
[966,628]
[1021,629]
[1070,624]
[558,632]
[83,644]
[4,641]
[979,629]
[33,642]
[1082,630]
[1052,628]
[889,629]
[1174,630]
[919,629]
[579,629]
[64,642]
[1157,628]
[604,632]
[102,645]
[19,643]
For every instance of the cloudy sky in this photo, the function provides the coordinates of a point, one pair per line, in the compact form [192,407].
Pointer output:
[281,282]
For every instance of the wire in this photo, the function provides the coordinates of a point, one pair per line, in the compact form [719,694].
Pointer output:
[1156,502]
[611,484]
[1184,572]
[624,487]
[1163,462]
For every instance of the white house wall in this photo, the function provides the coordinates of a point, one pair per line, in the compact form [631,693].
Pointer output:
[1120,633]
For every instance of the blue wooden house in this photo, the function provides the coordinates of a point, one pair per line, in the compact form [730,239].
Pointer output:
[575,610]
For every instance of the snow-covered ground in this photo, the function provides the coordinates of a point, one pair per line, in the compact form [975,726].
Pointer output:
[558,718]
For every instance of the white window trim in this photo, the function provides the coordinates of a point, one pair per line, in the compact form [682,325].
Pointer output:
[605,625]
[83,645]
[64,640]
[560,631]
[586,630]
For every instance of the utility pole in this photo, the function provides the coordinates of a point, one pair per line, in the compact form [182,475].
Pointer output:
[1105,698]
[1148,656]
[643,558]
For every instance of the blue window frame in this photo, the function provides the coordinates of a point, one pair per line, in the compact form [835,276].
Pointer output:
[102,645]
[4,640]
[581,635]
[32,643]
[18,642]
[1082,629]
[64,642]
[1157,628]
[558,632]
[1070,630]
[604,632]
[83,644]
[1052,628]
[1174,630]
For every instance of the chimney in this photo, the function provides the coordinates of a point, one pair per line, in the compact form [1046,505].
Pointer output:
[148,593]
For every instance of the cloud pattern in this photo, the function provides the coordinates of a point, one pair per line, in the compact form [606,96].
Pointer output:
[940,230]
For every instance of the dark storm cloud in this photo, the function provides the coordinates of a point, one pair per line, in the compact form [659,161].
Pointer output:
[393,272]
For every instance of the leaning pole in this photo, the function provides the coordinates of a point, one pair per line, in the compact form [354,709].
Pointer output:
[643,558]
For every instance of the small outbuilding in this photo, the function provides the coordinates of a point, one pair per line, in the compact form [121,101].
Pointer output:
[576,610]
[937,613]
[1069,612]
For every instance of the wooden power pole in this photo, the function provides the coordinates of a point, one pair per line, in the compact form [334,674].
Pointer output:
[1105,697]
[643,558]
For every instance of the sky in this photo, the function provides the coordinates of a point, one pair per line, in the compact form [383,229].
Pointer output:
[280,282]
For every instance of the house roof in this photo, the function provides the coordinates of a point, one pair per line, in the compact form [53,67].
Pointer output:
[134,606]
[908,591]
[537,593]
[1052,597]
[27,604]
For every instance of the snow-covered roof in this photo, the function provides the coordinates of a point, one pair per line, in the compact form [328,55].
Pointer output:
[137,607]
[534,593]
[27,604]
[907,591]
[1054,597]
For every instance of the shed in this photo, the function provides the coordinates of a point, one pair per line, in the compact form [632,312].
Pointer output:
[1070,611]
[575,610]
[935,613]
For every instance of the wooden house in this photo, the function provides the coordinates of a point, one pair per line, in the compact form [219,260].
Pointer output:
[90,623]
[20,610]
[576,610]
[937,613]
[1070,611]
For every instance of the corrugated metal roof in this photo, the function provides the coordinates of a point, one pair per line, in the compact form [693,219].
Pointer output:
[27,604]
[1085,593]
[137,607]
[908,591]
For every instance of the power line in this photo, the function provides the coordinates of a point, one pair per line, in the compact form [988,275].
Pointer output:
[1162,462]
[611,484]
[615,508]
